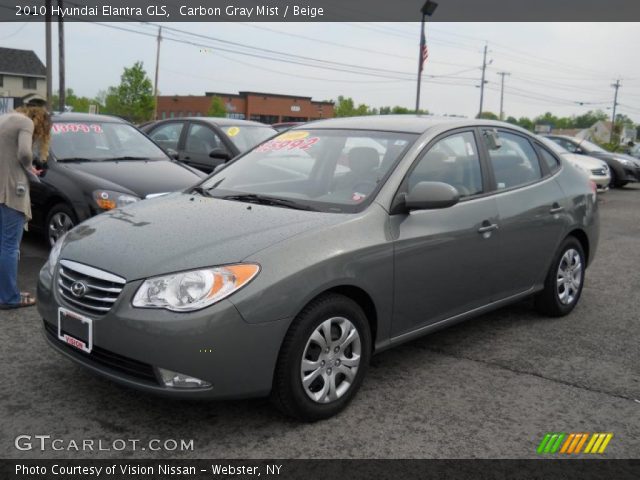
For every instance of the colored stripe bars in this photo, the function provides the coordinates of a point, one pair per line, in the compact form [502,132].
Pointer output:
[573,443]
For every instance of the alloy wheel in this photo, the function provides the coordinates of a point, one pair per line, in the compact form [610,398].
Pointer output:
[569,276]
[59,224]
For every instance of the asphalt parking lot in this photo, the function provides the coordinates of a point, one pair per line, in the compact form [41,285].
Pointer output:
[488,388]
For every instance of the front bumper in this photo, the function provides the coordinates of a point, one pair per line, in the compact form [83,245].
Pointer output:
[214,344]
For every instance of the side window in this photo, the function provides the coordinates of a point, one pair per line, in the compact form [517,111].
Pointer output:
[168,135]
[453,160]
[552,162]
[202,140]
[515,162]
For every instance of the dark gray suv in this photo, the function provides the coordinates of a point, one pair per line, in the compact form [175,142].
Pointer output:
[286,270]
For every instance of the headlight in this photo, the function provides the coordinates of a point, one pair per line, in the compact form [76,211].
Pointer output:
[55,253]
[195,289]
[108,199]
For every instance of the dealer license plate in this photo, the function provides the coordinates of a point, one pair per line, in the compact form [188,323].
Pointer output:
[75,329]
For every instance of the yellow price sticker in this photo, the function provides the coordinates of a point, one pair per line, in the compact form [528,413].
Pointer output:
[233,131]
[293,135]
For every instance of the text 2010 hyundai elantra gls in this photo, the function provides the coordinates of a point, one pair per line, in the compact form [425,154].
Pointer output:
[286,270]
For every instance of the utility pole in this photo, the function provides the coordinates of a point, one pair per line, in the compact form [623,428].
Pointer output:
[47,42]
[61,67]
[155,85]
[502,74]
[615,104]
[482,82]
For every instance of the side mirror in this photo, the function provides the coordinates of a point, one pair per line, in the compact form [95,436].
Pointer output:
[431,195]
[172,153]
[493,139]
[578,150]
[220,154]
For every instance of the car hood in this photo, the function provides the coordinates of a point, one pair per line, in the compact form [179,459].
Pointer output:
[137,177]
[183,231]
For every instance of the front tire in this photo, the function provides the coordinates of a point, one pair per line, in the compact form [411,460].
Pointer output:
[564,281]
[323,359]
[60,220]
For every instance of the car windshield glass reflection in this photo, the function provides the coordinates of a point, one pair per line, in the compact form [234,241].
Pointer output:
[326,170]
[100,141]
[247,137]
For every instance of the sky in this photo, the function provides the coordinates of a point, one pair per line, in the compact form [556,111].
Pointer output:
[553,66]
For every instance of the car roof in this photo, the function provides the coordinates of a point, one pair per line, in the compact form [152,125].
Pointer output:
[223,122]
[85,117]
[405,123]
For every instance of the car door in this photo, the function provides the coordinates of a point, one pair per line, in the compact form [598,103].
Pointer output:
[200,141]
[443,258]
[167,135]
[531,208]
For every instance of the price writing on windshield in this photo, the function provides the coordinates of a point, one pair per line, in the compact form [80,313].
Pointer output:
[300,144]
[76,128]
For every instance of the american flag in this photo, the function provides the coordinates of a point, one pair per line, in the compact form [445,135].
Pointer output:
[424,50]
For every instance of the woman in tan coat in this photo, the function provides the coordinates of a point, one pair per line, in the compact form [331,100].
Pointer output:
[19,131]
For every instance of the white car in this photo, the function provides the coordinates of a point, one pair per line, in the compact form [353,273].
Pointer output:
[596,169]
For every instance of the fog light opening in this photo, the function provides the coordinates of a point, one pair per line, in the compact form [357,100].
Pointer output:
[180,380]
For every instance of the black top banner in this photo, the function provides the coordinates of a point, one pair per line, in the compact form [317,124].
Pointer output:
[318,10]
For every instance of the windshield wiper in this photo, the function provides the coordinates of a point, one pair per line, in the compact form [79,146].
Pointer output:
[74,159]
[266,200]
[201,190]
[117,159]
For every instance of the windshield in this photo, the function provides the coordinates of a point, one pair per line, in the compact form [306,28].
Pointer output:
[327,170]
[98,141]
[587,146]
[245,138]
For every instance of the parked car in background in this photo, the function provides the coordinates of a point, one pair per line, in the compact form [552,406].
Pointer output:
[281,127]
[206,142]
[596,169]
[292,269]
[98,163]
[623,168]
[634,151]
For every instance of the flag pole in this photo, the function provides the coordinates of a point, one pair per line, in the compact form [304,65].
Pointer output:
[420,62]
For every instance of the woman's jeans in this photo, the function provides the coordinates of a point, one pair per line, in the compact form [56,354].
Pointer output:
[11,228]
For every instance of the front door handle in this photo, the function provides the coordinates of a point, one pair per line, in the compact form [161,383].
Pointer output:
[488,228]
[555,208]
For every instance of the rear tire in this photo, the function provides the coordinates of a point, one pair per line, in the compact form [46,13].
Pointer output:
[316,377]
[564,281]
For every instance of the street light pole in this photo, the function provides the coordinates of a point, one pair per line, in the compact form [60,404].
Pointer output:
[155,85]
[47,41]
[482,81]
[61,66]
[615,104]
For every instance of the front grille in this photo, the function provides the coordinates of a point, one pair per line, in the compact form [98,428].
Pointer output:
[88,289]
[104,358]
[599,171]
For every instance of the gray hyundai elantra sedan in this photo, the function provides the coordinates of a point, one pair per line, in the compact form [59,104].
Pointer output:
[283,272]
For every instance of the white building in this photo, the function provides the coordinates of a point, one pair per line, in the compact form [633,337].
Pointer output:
[22,75]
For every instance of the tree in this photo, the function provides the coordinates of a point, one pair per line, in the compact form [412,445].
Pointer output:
[512,120]
[345,107]
[77,104]
[527,123]
[217,108]
[133,98]
[488,116]
[588,119]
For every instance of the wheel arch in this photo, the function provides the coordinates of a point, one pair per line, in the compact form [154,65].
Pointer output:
[582,237]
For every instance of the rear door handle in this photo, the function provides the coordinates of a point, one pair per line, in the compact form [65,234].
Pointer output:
[488,228]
